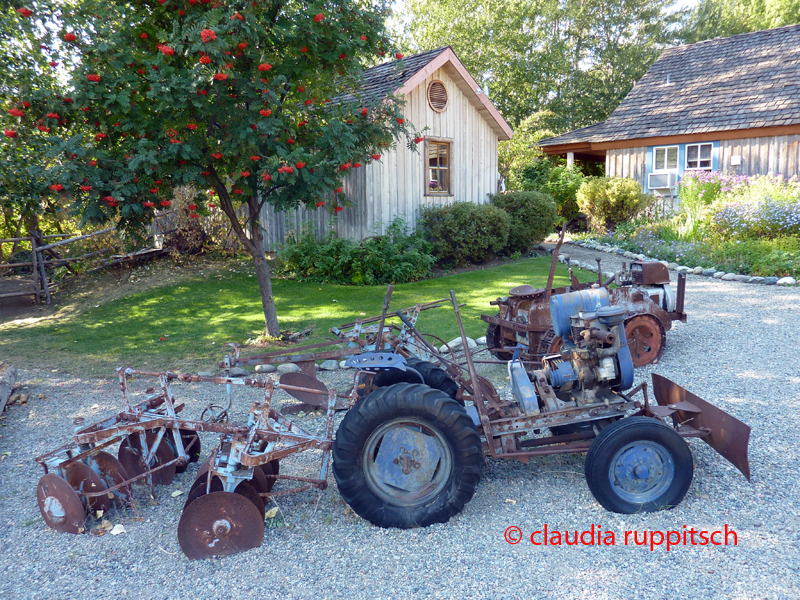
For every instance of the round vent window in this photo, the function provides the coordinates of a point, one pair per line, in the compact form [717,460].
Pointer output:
[437,96]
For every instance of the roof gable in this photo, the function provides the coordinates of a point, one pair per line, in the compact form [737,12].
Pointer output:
[741,82]
[401,77]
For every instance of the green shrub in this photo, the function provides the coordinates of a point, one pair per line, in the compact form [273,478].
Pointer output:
[463,232]
[533,215]
[395,257]
[563,184]
[609,201]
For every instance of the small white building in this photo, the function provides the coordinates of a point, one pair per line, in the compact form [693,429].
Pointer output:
[457,161]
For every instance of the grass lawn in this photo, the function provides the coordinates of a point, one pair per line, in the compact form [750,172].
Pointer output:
[196,315]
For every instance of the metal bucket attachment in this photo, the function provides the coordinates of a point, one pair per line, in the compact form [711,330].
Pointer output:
[726,434]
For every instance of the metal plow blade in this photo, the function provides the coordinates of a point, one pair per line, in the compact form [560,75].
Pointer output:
[729,436]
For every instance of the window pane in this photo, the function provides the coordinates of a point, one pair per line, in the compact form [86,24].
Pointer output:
[660,153]
[691,154]
[672,158]
[443,162]
[705,152]
[433,154]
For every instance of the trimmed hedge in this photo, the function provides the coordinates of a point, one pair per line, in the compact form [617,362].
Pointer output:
[463,232]
[533,215]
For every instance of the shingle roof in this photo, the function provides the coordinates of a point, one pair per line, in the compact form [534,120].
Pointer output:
[746,81]
[386,78]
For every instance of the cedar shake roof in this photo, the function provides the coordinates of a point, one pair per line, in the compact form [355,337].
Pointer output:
[741,82]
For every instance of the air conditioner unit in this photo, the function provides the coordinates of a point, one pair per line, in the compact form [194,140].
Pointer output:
[662,181]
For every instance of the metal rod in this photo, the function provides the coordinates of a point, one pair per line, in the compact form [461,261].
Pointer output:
[552,274]
[379,338]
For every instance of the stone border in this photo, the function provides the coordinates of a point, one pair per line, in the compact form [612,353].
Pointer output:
[713,273]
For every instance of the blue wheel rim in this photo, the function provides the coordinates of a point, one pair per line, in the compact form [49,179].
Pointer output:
[641,472]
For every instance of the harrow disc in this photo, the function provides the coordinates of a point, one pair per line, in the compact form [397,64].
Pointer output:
[130,455]
[85,481]
[273,467]
[248,491]
[60,505]
[112,473]
[260,481]
[191,443]
[646,339]
[220,524]
[199,489]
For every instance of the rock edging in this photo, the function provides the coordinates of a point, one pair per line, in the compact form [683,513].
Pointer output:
[712,273]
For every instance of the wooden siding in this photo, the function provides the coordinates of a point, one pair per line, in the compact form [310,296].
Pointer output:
[395,185]
[760,156]
[628,162]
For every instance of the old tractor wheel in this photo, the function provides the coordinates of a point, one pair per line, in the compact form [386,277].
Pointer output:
[433,376]
[646,339]
[639,464]
[407,456]
[495,341]
[219,524]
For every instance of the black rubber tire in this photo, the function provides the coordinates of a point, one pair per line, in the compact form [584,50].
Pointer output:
[494,340]
[444,418]
[434,377]
[653,434]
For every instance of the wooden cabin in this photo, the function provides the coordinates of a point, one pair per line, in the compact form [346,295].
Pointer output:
[457,160]
[730,104]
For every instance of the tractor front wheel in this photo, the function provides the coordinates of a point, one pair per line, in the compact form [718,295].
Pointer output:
[639,464]
[407,456]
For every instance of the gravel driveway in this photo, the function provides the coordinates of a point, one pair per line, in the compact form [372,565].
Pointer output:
[739,351]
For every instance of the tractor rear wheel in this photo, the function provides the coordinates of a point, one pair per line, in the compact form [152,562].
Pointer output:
[407,456]
[433,376]
[639,464]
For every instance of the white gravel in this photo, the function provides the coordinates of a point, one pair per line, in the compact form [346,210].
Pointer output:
[738,351]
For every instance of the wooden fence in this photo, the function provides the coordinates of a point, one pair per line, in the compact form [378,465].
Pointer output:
[44,255]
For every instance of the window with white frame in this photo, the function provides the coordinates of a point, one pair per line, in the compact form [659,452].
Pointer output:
[665,158]
[698,156]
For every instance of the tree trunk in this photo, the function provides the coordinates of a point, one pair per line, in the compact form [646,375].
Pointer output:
[262,272]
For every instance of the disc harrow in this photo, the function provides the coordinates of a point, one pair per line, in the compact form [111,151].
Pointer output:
[224,510]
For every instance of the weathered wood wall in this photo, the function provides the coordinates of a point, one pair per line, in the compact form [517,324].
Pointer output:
[761,156]
[628,162]
[395,186]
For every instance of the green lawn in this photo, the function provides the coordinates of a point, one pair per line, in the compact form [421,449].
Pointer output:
[200,314]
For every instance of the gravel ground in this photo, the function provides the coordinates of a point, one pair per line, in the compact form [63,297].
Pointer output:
[317,548]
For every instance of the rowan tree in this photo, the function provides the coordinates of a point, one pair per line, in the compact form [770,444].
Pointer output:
[246,102]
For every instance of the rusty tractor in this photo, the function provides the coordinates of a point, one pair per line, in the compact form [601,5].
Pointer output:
[410,448]
[642,288]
